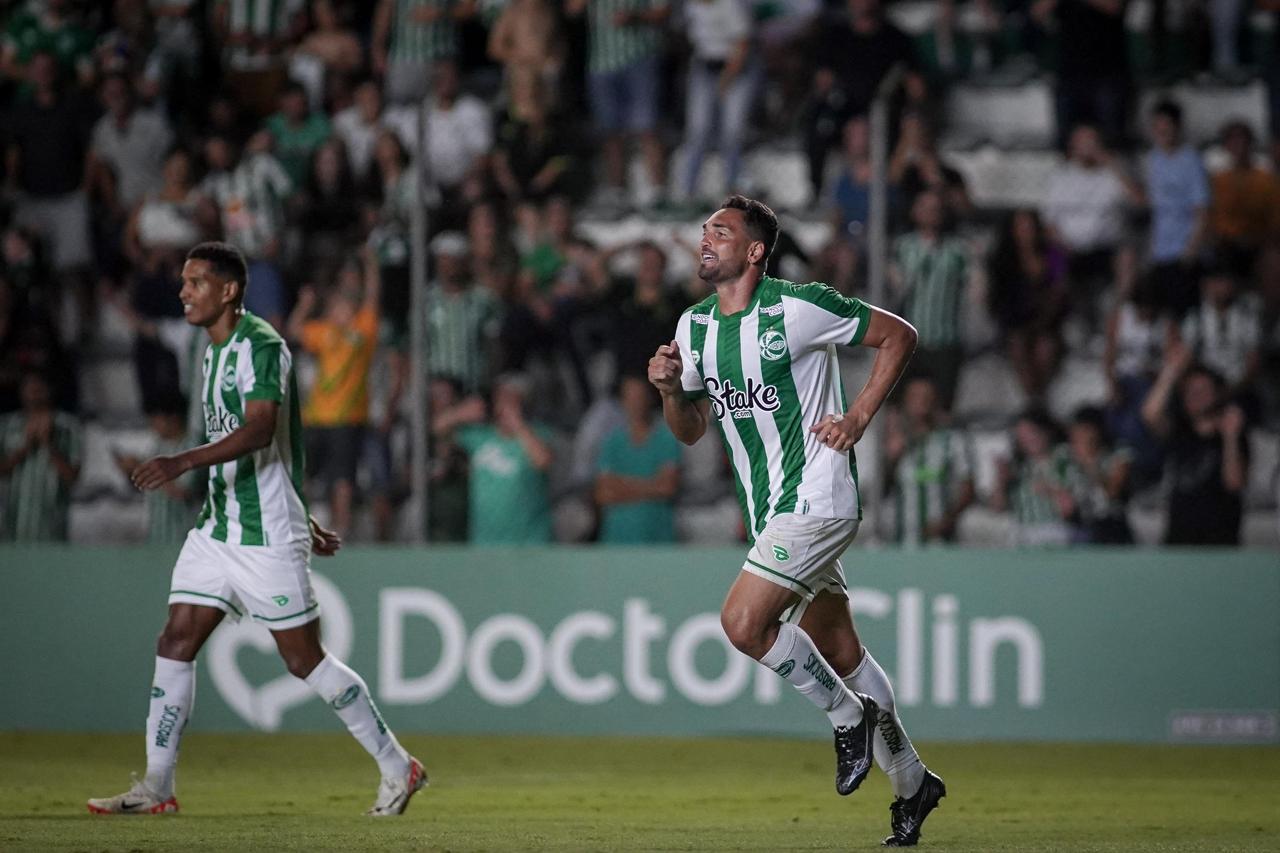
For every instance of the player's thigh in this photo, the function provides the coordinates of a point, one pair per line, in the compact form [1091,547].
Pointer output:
[274,582]
[752,605]
[202,577]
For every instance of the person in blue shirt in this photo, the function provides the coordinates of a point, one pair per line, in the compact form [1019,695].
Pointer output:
[1177,191]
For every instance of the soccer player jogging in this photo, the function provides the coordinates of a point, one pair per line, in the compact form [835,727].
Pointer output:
[251,547]
[759,356]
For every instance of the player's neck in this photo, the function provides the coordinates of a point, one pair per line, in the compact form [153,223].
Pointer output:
[736,295]
[220,329]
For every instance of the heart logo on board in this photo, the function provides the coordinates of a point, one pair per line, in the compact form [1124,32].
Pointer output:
[263,706]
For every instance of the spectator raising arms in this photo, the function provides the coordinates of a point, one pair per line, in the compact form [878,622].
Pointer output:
[342,340]
[1206,449]
[637,474]
[509,457]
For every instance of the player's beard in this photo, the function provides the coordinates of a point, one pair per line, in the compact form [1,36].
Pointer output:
[720,272]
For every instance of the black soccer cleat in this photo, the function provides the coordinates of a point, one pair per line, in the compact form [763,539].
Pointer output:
[907,816]
[853,748]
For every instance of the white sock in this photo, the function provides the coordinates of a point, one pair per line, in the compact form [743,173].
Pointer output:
[892,748]
[173,690]
[346,693]
[796,658]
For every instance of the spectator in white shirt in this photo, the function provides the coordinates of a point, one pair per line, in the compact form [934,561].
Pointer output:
[131,143]
[358,126]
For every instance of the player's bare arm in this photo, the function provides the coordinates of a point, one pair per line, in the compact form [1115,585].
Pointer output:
[255,433]
[687,419]
[894,340]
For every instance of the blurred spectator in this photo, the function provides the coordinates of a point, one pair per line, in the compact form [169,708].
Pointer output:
[535,155]
[165,222]
[459,136]
[447,507]
[852,57]
[248,193]
[255,35]
[172,508]
[297,132]
[624,82]
[509,459]
[342,341]
[462,319]
[1224,333]
[1085,208]
[174,62]
[358,126]
[916,166]
[850,194]
[644,312]
[39,462]
[330,41]
[1206,449]
[493,257]
[1273,66]
[48,135]
[1034,486]
[409,37]
[50,27]
[525,40]
[928,467]
[1093,66]
[929,270]
[130,143]
[1245,212]
[1178,193]
[1138,330]
[1099,483]
[1026,286]
[637,472]
[327,207]
[724,77]
[391,181]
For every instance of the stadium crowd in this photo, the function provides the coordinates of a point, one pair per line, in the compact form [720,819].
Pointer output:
[135,129]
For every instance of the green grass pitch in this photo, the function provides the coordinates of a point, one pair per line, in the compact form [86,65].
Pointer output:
[307,792]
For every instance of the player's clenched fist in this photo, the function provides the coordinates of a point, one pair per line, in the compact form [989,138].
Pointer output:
[665,368]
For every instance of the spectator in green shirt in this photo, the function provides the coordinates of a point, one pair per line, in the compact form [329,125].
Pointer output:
[297,132]
[637,472]
[510,458]
[50,27]
[39,462]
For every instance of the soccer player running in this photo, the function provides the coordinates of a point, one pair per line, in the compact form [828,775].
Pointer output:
[759,355]
[251,548]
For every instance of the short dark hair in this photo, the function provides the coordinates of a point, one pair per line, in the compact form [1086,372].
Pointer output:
[762,223]
[1169,110]
[226,261]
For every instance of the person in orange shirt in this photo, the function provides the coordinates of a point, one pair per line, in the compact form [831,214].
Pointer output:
[1245,212]
[342,340]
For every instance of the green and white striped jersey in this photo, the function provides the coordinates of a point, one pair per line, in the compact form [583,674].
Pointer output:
[423,41]
[35,499]
[611,47]
[770,372]
[1027,497]
[933,280]
[256,499]
[926,480]
[168,518]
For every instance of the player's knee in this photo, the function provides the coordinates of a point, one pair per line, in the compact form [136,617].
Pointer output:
[743,633]
[301,664]
[177,642]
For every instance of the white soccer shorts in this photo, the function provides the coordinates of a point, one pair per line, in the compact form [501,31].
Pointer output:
[802,553]
[271,583]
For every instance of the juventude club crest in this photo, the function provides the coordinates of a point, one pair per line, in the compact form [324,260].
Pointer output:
[773,345]
[229,378]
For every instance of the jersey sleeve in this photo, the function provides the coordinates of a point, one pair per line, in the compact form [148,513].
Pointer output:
[822,316]
[690,378]
[268,372]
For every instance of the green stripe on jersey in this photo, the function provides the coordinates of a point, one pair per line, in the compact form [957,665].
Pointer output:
[787,418]
[729,363]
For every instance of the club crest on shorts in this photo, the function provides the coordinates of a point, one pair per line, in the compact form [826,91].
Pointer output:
[781,554]
[280,600]
[773,346]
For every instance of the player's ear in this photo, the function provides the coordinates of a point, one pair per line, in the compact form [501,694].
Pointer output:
[755,251]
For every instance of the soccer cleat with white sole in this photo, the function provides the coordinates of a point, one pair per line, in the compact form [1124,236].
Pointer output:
[137,800]
[394,794]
